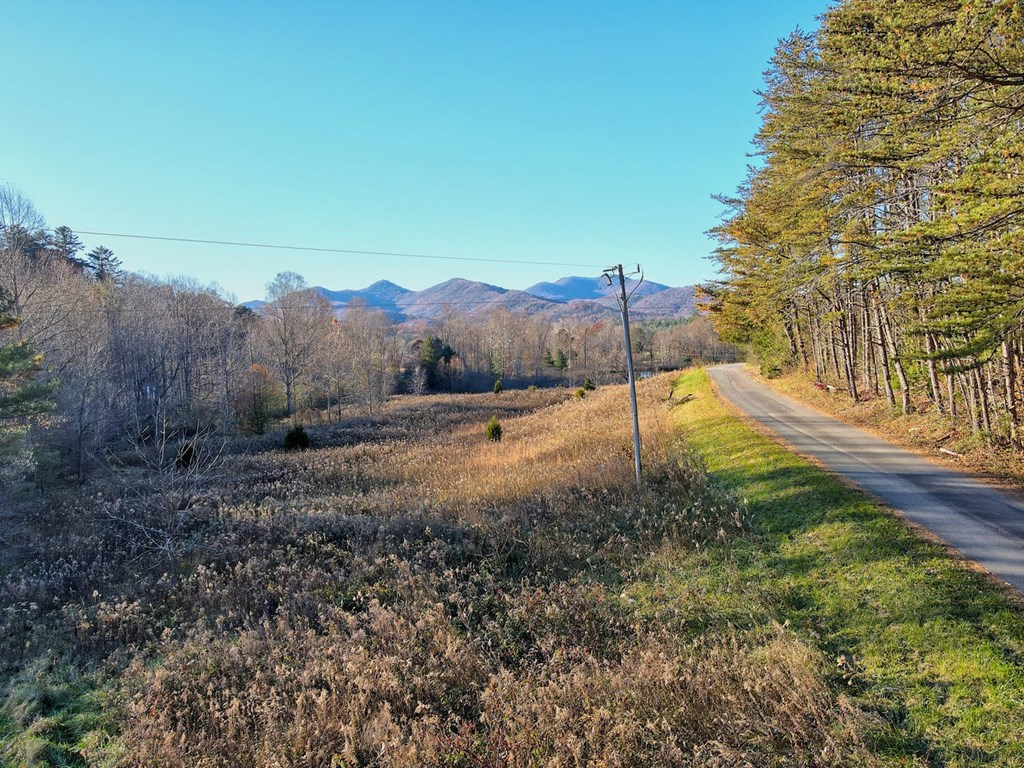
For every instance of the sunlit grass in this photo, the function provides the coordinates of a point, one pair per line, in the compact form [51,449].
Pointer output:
[930,646]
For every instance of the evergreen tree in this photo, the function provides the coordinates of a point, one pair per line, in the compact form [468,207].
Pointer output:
[435,361]
[67,245]
[21,398]
[878,244]
[104,266]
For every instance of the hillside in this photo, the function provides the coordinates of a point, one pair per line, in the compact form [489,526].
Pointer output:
[383,295]
[468,297]
[671,302]
[364,603]
[407,590]
[577,288]
[570,298]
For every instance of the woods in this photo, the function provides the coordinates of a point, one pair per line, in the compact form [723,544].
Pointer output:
[96,361]
[878,245]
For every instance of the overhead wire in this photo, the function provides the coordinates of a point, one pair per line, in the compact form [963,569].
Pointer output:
[352,251]
[348,251]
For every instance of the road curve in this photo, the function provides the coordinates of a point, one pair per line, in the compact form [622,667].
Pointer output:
[985,525]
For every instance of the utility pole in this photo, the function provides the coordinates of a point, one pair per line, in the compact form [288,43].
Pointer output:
[624,306]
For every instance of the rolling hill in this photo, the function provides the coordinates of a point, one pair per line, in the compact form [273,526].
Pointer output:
[586,298]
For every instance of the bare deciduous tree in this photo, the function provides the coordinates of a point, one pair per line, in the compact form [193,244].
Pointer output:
[297,321]
[369,352]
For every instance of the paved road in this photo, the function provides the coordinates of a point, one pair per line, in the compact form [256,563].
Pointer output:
[983,524]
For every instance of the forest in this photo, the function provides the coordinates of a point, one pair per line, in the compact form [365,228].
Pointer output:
[95,360]
[877,244]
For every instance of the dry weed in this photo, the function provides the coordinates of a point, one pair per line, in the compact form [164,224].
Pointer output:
[411,593]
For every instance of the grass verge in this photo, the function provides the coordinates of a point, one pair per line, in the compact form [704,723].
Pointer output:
[929,648]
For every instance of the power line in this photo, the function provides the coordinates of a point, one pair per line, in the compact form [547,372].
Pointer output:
[349,251]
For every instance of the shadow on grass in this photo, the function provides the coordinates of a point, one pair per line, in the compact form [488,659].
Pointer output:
[930,648]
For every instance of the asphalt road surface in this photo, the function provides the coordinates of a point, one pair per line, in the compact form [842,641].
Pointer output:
[985,525]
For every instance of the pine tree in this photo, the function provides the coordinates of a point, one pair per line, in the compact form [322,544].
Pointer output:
[21,398]
[67,245]
[879,242]
[104,265]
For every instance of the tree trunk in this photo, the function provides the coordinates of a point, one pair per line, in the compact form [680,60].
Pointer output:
[848,357]
[967,387]
[884,357]
[834,351]
[798,337]
[933,377]
[868,355]
[814,330]
[901,373]
[951,397]
[1009,384]
[982,401]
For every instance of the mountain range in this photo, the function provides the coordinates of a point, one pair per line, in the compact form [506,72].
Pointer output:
[582,298]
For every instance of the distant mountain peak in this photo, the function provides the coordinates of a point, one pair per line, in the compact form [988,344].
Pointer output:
[578,288]
[568,297]
[381,285]
[461,282]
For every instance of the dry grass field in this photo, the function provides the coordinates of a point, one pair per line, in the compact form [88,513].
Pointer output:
[408,593]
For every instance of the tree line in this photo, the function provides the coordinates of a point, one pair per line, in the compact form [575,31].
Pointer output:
[93,360]
[878,244]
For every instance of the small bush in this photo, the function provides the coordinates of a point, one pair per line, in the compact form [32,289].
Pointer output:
[493,429]
[297,439]
[588,384]
[498,386]
[580,393]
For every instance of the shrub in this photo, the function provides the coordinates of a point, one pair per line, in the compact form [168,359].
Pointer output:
[498,386]
[580,393]
[493,429]
[588,384]
[297,439]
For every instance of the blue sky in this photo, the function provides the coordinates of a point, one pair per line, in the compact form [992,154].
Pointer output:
[588,133]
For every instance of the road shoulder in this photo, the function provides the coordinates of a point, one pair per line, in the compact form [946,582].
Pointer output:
[1003,476]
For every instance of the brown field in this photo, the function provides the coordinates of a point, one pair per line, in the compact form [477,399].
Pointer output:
[408,593]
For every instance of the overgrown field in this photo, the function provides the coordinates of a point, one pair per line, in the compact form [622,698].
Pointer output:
[409,593]
[930,648]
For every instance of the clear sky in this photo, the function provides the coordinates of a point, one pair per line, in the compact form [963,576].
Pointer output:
[586,133]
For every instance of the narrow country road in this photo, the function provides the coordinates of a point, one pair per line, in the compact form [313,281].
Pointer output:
[985,525]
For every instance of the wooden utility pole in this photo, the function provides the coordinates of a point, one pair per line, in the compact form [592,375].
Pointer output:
[624,306]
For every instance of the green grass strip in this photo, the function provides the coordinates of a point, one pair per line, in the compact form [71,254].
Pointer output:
[933,650]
